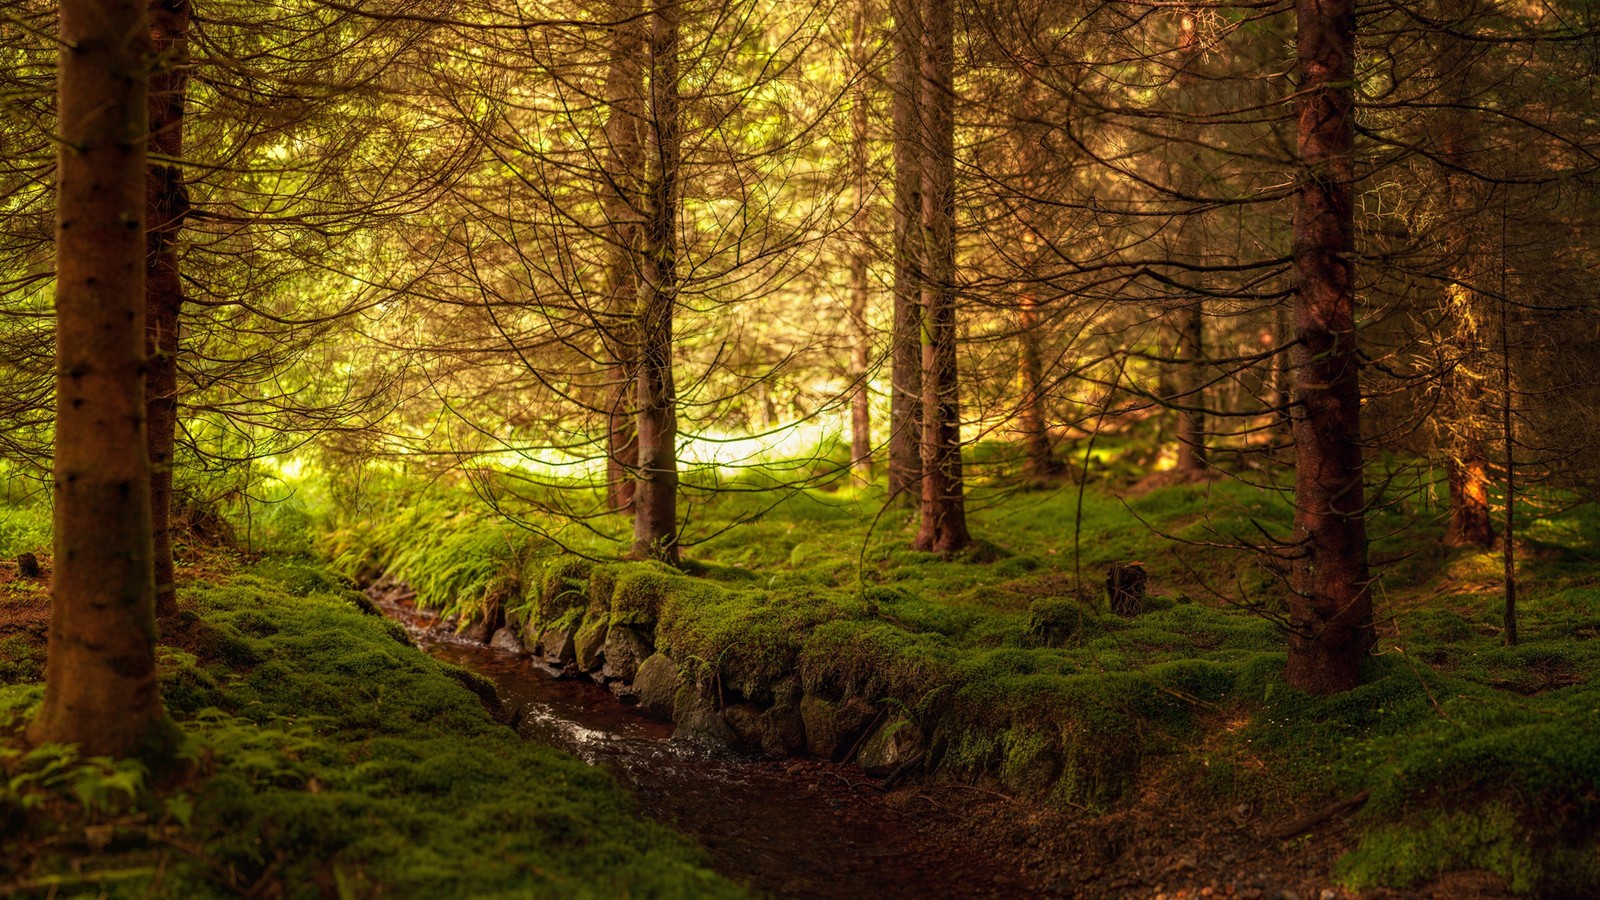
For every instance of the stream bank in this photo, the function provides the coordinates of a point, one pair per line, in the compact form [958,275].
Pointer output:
[793,828]
[805,827]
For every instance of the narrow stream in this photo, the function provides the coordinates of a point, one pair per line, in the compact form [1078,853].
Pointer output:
[791,828]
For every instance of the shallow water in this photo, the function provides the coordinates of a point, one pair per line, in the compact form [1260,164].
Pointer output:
[791,828]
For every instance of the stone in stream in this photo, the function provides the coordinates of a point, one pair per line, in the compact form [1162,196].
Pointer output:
[783,730]
[557,645]
[832,729]
[699,722]
[506,639]
[656,686]
[745,721]
[782,727]
[589,645]
[625,648]
[898,743]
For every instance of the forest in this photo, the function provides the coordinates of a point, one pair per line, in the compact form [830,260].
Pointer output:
[800,448]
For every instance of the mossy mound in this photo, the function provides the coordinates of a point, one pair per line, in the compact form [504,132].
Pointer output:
[330,759]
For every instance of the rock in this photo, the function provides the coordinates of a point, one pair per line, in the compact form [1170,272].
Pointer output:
[625,648]
[783,726]
[1328,894]
[832,729]
[783,729]
[656,685]
[28,565]
[589,645]
[700,723]
[745,721]
[506,639]
[475,633]
[557,645]
[898,743]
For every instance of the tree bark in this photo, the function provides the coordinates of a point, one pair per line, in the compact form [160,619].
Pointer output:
[944,523]
[655,521]
[1191,460]
[1330,609]
[167,207]
[101,689]
[860,286]
[1037,459]
[1464,409]
[905,350]
[625,101]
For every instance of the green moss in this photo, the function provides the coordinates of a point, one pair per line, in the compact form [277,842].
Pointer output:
[638,593]
[342,757]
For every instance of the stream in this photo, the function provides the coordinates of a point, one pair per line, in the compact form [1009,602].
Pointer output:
[790,828]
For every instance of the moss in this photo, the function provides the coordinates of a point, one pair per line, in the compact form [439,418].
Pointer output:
[1016,679]
[564,586]
[639,591]
[344,758]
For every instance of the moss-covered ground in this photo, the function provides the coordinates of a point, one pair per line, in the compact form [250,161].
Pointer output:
[325,757]
[1476,755]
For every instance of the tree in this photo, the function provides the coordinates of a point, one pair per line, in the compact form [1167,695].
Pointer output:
[101,687]
[905,342]
[624,148]
[943,526]
[166,208]
[1330,606]
[655,517]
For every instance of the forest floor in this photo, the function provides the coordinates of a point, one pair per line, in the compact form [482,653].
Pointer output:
[1167,744]
[1080,753]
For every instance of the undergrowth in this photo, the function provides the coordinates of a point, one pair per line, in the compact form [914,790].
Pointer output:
[1475,755]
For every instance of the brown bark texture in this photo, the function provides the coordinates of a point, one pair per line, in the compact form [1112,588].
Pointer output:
[905,348]
[655,520]
[1464,411]
[1191,248]
[101,690]
[861,258]
[943,526]
[1330,607]
[1038,462]
[166,208]
[625,101]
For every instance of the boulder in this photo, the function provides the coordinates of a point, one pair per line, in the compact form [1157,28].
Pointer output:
[557,645]
[699,722]
[832,729]
[783,731]
[896,745]
[745,721]
[625,648]
[589,645]
[506,639]
[656,686]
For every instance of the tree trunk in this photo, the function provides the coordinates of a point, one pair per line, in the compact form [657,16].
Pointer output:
[860,286]
[1464,408]
[944,522]
[1330,610]
[166,208]
[624,162]
[1037,459]
[1192,248]
[101,689]
[655,522]
[905,350]
[1191,395]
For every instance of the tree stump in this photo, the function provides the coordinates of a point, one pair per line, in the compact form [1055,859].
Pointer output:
[28,565]
[1125,583]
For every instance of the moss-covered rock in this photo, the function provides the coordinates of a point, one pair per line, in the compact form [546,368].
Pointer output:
[656,685]
[897,744]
